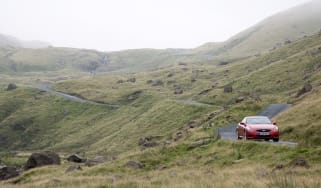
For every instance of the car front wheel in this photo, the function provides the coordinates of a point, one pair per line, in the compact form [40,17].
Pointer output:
[275,140]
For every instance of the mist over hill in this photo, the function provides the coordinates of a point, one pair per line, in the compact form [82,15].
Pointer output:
[10,41]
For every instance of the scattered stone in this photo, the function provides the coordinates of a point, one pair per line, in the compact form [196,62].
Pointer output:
[172,174]
[168,142]
[279,166]
[193,80]
[178,91]
[76,158]
[200,143]
[7,172]
[192,124]
[11,87]
[120,81]
[205,91]
[170,75]
[306,88]
[223,63]
[182,64]
[135,95]
[95,161]
[42,159]
[170,82]
[149,141]
[73,168]
[299,162]
[228,89]
[287,42]
[157,83]
[262,174]
[131,80]
[239,99]
[178,136]
[134,164]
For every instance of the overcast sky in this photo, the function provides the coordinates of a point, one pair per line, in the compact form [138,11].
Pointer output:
[126,24]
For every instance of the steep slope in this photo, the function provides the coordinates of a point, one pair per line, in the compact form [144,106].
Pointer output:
[272,32]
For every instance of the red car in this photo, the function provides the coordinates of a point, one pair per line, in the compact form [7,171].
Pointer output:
[257,127]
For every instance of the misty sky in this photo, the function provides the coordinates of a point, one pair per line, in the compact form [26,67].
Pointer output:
[126,24]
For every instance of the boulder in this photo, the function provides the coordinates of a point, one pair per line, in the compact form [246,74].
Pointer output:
[76,158]
[239,99]
[157,83]
[170,75]
[178,91]
[73,168]
[95,161]
[299,162]
[134,164]
[228,89]
[305,89]
[42,159]
[131,80]
[7,172]
[11,87]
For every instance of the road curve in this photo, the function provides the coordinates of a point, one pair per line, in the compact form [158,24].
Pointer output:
[228,132]
[47,89]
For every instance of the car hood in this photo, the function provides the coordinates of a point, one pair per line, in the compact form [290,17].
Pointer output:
[261,126]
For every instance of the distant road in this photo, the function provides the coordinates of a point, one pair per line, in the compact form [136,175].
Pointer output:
[228,132]
[47,89]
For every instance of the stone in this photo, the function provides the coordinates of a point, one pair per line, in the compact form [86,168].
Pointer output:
[239,99]
[7,172]
[11,87]
[95,161]
[76,158]
[73,168]
[157,83]
[305,89]
[131,80]
[178,91]
[120,81]
[42,159]
[134,164]
[170,75]
[228,89]
[205,91]
[299,162]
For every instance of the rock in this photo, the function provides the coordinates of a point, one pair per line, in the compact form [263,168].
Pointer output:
[287,42]
[279,166]
[135,95]
[299,162]
[7,172]
[306,88]
[95,161]
[200,143]
[178,136]
[11,87]
[182,64]
[73,168]
[223,63]
[239,99]
[193,80]
[120,81]
[134,164]
[170,75]
[149,81]
[192,124]
[178,91]
[168,142]
[42,159]
[170,82]
[131,80]
[157,83]
[149,141]
[228,89]
[76,158]
[205,91]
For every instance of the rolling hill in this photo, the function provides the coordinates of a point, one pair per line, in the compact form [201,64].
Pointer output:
[9,41]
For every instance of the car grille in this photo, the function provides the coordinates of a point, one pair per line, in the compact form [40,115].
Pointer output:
[263,130]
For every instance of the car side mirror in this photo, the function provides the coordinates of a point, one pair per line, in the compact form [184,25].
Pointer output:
[274,123]
[242,123]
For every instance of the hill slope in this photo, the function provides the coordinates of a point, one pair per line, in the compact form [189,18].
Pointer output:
[9,41]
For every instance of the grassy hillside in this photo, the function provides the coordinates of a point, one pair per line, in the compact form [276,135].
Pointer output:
[9,41]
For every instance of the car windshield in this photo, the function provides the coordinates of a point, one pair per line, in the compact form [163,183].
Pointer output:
[261,120]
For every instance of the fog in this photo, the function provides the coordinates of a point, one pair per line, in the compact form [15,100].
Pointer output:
[111,25]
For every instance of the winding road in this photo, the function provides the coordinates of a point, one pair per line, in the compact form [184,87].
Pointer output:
[47,89]
[228,132]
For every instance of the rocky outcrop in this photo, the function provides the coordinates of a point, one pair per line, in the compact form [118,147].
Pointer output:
[178,91]
[134,164]
[7,172]
[76,159]
[228,89]
[305,89]
[299,162]
[150,141]
[42,159]
[11,87]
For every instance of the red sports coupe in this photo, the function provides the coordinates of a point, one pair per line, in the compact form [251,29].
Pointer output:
[257,127]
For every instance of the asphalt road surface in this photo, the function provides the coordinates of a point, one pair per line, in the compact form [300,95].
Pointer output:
[228,132]
[47,89]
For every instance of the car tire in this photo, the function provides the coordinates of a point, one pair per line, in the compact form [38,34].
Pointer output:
[266,139]
[275,140]
[237,135]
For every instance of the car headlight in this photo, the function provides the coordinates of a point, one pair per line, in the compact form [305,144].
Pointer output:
[275,128]
[249,129]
